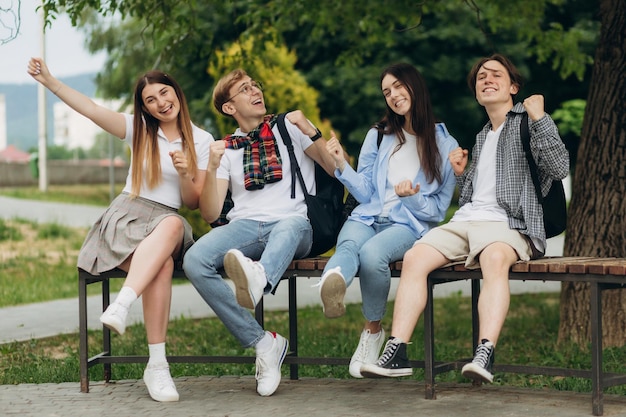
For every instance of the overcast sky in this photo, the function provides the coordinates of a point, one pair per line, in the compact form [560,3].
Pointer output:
[66,54]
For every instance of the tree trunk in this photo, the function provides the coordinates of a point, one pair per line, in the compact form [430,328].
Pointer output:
[597,211]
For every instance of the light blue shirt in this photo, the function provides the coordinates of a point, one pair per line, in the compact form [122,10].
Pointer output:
[419,212]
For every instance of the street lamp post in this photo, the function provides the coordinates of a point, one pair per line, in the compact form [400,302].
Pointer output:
[43,129]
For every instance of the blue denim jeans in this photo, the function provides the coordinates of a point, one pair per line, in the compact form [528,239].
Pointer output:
[368,251]
[273,244]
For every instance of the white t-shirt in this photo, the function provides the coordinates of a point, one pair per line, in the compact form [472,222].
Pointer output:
[404,164]
[484,206]
[168,191]
[272,202]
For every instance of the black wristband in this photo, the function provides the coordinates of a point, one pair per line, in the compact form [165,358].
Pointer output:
[317,135]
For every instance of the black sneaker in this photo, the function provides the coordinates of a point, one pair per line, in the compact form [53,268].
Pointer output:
[392,363]
[480,369]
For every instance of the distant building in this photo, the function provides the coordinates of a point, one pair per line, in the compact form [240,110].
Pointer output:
[12,154]
[73,130]
[3,122]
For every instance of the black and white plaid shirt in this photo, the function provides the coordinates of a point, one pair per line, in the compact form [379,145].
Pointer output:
[515,192]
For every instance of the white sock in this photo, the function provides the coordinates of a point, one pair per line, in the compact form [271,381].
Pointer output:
[126,297]
[266,343]
[157,353]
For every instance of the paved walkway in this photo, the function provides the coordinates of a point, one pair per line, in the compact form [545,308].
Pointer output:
[236,396]
[308,397]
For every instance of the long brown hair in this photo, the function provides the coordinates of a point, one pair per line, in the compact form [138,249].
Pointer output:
[422,119]
[145,145]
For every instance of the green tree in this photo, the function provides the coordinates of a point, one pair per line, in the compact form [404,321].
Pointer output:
[596,224]
[442,42]
[182,45]
[286,89]
[61,152]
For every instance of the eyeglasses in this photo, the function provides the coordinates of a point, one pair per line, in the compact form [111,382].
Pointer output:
[248,89]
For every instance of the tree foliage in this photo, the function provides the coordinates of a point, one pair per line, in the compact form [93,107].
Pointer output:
[359,22]
[287,89]
[342,47]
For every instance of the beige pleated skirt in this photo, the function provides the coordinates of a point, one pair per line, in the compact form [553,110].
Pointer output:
[120,229]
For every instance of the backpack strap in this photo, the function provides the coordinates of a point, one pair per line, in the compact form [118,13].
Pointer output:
[295,168]
[380,127]
[534,172]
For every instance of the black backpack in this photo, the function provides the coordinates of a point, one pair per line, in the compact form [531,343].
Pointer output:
[553,204]
[325,207]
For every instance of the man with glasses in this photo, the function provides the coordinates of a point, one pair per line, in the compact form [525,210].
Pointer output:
[267,228]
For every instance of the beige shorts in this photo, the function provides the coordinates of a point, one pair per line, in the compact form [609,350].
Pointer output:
[464,241]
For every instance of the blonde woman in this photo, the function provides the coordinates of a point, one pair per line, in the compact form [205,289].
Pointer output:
[141,231]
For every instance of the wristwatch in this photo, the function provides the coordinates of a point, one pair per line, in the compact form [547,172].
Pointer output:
[317,135]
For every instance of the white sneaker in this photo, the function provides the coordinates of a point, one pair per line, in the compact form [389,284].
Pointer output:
[332,291]
[268,366]
[114,317]
[367,351]
[248,276]
[159,382]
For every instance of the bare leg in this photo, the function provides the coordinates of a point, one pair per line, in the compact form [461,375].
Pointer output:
[152,253]
[411,295]
[493,303]
[150,274]
[156,300]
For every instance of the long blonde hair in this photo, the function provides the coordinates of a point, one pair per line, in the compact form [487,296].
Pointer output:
[145,145]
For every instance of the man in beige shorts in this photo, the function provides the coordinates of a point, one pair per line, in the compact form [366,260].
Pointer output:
[499,220]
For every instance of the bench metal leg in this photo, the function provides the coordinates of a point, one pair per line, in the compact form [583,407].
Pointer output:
[475,321]
[106,332]
[293,326]
[83,349]
[475,318]
[259,313]
[429,345]
[595,300]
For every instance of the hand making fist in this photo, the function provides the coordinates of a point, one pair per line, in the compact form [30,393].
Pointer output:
[179,159]
[334,148]
[534,107]
[216,151]
[458,160]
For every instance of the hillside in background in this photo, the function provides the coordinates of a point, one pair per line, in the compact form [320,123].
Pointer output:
[21,104]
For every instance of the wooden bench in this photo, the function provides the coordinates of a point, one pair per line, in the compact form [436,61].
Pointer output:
[600,273]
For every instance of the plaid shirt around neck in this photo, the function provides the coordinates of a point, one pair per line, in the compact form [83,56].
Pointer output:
[515,192]
[261,158]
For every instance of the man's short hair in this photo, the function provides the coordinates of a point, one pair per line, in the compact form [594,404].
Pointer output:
[221,92]
[516,77]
